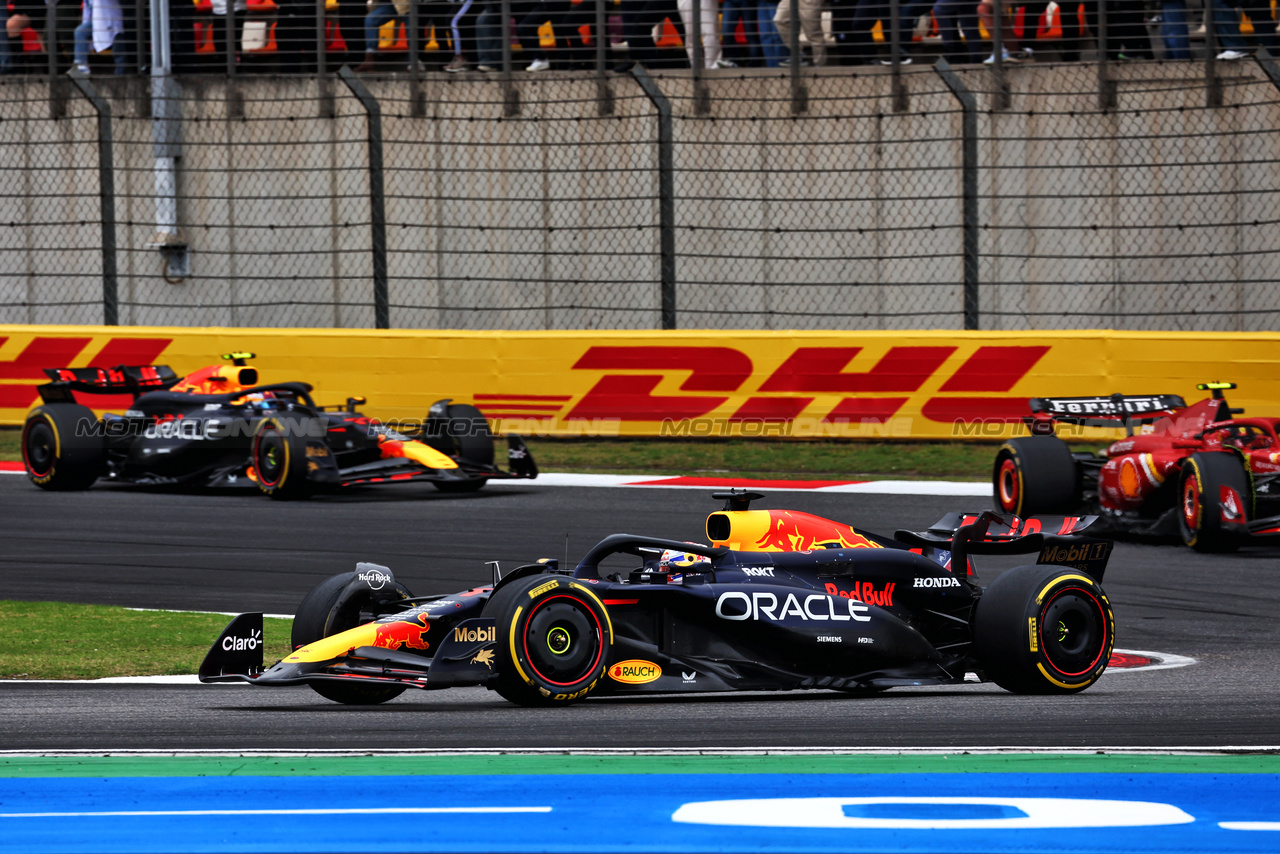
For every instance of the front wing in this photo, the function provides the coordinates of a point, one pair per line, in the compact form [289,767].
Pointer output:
[464,657]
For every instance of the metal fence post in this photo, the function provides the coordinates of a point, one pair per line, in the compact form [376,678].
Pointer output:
[604,95]
[510,96]
[106,197]
[321,58]
[701,97]
[377,199]
[231,37]
[1002,99]
[666,194]
[799,95]
[1212,82]
[969,191]
[1106,85]
[895,56]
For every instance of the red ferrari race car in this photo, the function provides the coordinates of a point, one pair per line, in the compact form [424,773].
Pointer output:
[1197,471]
[219,427]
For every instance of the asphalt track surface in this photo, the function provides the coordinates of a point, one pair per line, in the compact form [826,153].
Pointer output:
[240,552]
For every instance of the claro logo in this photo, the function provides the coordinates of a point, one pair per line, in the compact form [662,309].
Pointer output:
[234,644]
[737,605]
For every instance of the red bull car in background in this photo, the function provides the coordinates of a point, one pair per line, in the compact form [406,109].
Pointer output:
[1197,471]
[779,600]
[219,427]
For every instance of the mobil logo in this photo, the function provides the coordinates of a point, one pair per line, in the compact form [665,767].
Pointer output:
[864,386]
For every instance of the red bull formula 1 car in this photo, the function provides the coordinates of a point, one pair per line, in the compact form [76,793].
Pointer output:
[779,600]
[1197,471]
[219,427]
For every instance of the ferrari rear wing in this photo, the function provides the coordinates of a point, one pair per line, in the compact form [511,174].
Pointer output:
[1117,410]
[1058,539]
[122,379]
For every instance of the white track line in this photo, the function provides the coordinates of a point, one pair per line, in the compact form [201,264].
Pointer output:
[634,481]
[321,811]
[871,487]
[322,753]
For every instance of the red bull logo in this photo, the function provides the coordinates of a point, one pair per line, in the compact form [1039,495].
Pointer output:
[410,635]
[865,592]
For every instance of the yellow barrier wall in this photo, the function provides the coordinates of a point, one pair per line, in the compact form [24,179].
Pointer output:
[916,385]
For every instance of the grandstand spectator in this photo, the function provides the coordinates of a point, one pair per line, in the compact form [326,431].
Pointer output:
[110,26]
[1226,19]
[25,13]
[733,12]
[542,12]
[385,10]
[1173,29]
[459,61]
[958,26]
[489,37]
[810,14]
[710,14]
[639,18]
[772,48]
[84,37]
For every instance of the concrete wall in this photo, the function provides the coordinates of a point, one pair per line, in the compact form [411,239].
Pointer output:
[1156,215]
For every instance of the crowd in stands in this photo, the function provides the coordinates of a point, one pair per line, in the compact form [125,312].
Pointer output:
[468,34]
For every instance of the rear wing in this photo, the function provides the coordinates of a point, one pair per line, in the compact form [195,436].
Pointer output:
[1117,410]
[1058,539]
[122,379]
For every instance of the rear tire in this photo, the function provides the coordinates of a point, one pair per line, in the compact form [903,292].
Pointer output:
[58,455]
[554,639]
[1036,474]
[1043,630]
[1200,506]
[326,611]
[280,457]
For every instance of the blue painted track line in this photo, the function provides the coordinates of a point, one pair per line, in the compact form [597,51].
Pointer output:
[996,812]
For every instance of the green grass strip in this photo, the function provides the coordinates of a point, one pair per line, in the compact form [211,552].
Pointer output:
[399,766]
[55,640]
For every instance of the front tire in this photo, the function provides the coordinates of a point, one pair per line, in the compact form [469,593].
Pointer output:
[554,639]
[332,607]
[60,448]
[1035,474]
[1202,485]
[470,441]
[1043,630]
[280,457]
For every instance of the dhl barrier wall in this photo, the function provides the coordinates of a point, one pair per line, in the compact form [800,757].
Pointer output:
[868,385]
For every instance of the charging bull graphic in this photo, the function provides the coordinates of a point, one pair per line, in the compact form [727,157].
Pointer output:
[783,531]
[402,633]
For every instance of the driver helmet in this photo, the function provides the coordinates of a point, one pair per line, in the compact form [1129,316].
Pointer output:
[675,560]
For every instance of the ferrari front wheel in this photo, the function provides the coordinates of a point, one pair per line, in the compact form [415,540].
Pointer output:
[1043,630]
[554,638]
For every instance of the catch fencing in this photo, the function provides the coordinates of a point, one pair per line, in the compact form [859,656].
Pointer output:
[1046,196]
